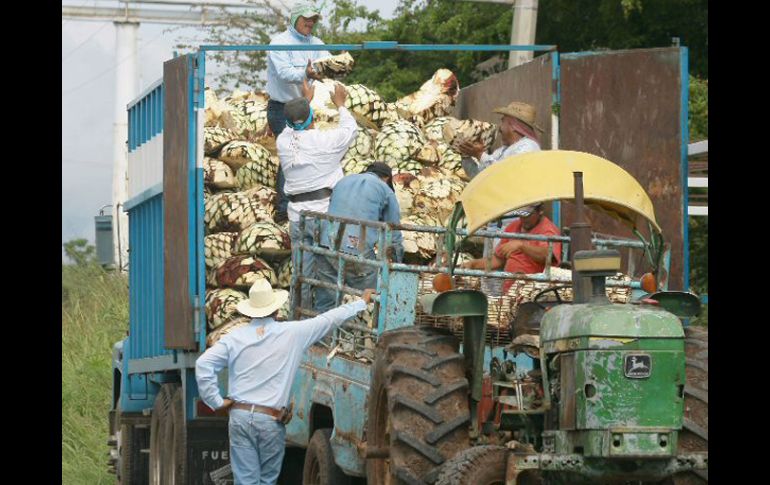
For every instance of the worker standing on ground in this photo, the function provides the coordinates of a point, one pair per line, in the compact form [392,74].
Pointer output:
[366,196]
[262,359]
[312,164]
[519,256]
[286,71]
[518,134]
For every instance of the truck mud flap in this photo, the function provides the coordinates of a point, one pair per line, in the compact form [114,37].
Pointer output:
[208,453]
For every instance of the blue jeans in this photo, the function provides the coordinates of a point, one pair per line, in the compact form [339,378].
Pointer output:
[308,258]
[357,276]
[277,121]
[257,445]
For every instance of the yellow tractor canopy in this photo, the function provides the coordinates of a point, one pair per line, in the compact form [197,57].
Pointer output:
[530,178]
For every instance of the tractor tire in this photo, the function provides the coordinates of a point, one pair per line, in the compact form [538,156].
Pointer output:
[320,468]
[695,428]
[161,413]
[418,408]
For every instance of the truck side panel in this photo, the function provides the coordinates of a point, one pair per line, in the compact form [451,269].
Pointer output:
[341,385]
[145,213]
[626,106]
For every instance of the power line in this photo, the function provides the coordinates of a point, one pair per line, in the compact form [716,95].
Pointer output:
[64,93]
[85,41]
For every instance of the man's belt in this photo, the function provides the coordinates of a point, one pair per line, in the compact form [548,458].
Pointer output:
[255,408]
[314,195]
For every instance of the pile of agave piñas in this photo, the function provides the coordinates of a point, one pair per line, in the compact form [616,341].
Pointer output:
[416,135]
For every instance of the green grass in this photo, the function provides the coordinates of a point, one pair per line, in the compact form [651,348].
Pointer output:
[94,317]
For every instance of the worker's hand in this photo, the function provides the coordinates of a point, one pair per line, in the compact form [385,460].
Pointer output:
[226,405]
[472,149]
[310,72]
[307,90]
[367,296]
[510,247]
[338,98]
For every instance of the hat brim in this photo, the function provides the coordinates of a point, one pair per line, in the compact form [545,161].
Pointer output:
[309,14]
[505,111]
[280,297]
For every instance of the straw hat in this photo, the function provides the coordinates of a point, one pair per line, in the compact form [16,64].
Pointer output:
[521,111]
[263,300]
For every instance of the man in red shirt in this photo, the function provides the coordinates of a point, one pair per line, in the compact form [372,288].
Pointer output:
[522,256]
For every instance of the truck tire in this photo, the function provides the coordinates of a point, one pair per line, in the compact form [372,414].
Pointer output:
[320,468]
[133,463]
[161,413]
[176,441]
[418,412]
[694,435]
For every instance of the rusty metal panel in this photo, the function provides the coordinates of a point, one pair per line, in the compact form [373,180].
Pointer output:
[531,83]
[177,74]
[625,106]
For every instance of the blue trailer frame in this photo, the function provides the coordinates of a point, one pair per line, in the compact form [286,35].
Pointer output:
[141,362]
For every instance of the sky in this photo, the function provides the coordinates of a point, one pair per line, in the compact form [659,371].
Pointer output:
[88,80]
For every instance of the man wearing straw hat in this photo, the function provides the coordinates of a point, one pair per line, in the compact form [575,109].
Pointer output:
[517,130]
[262,359]
[518,133]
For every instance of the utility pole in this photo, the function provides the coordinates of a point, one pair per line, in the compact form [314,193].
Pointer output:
[126,19]
[522,28]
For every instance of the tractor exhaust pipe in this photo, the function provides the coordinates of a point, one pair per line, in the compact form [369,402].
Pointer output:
[580,240]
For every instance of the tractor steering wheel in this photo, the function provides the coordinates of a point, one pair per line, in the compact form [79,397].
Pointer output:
[552,289]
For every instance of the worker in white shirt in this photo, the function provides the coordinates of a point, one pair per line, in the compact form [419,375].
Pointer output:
[262,359]
[311,160]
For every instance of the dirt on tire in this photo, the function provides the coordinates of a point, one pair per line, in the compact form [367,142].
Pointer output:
[420,376]
[694,434]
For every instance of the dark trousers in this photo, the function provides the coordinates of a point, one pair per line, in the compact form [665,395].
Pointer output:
[277,122]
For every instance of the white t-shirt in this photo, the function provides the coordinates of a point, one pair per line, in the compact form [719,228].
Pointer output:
[525,145]
[311,160]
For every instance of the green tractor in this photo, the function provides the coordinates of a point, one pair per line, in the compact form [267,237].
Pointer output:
[617,393]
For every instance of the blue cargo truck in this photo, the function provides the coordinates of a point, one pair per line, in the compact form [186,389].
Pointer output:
[161,432]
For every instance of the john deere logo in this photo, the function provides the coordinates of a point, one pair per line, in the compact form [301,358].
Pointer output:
[638,366]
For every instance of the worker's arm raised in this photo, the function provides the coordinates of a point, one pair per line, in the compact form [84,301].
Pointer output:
[312,330]
[346,132]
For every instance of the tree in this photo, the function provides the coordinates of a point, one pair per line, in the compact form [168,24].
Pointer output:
[572,25]
[80,252]
[579,25]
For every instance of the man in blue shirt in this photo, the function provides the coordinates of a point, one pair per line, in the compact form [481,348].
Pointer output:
[286,70]
[262,358]
[366,196]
